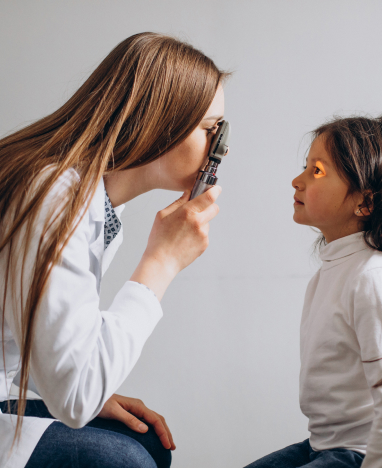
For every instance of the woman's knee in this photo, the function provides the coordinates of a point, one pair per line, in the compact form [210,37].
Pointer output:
[118,450]
[112,450]
[63,447]
[163,458]
[153,445]
[149,440]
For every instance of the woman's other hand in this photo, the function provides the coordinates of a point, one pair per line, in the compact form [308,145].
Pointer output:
[127,410]
[179,235]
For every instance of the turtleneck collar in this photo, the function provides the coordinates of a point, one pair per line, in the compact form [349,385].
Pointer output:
[343,247]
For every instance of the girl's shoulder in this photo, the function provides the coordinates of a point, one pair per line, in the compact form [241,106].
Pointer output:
[367,259]
[366,267]
[351,267]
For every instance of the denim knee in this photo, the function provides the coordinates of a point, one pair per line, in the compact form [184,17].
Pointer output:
[63,447]
[112,450]
[163,459]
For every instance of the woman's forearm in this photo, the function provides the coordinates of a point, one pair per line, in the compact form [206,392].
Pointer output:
[178,236]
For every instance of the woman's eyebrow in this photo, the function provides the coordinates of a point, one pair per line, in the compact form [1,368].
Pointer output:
[214,117]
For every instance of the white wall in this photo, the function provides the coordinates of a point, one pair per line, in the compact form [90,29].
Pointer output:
[222,365]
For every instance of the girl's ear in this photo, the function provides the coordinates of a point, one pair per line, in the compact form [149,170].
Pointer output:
[365,207]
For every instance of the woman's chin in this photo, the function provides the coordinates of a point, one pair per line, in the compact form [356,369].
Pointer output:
[189,184]
[180,185]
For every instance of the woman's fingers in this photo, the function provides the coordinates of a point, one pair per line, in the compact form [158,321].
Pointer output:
[131,421]
[128,410]
[116,408]
[204,200]
[173,446]
[209,213]
[197,205]
[139,409]
[160,427]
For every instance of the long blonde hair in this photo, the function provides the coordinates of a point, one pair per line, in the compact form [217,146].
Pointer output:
[144,98]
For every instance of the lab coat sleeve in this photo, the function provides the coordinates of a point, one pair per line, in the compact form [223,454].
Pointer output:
[368,327]
[81,354]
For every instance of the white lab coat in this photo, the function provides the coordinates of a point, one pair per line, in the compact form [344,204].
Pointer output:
[80,354]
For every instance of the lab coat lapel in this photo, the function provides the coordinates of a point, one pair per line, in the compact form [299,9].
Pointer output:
[97,215]
[114,244]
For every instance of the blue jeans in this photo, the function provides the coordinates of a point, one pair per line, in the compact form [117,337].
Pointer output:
[302,454]
[102,443]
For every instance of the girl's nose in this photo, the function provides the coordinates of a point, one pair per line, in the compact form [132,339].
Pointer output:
[297,183]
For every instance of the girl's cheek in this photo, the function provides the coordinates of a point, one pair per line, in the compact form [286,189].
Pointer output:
[313,198]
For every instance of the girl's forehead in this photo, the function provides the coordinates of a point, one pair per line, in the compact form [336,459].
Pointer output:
[320,159]
[318,152]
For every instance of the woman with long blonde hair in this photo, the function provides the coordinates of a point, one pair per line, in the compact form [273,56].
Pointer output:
[143,120]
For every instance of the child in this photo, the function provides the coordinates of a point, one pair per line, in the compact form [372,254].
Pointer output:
[340,193]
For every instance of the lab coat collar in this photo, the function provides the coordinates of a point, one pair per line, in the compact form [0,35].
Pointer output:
[97,205]
[97,215]
[343,247]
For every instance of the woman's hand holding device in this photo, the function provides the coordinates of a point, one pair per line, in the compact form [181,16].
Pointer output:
[179,235]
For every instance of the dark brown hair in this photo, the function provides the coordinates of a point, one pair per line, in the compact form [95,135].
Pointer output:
[144,99]
[355,146]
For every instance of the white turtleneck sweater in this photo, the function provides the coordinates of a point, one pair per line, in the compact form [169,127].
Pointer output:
[341,350]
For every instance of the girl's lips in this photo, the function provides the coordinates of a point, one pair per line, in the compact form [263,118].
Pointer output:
[297,201]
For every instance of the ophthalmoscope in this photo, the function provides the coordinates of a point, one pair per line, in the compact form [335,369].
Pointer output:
[219,148]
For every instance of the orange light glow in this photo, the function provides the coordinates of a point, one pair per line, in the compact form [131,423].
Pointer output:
[321,169]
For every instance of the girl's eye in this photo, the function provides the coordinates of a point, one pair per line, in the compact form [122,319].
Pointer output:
[317,171]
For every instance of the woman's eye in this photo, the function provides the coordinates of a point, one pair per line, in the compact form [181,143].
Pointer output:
[317,170]
[211,129]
